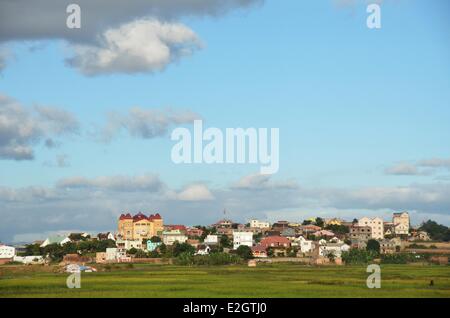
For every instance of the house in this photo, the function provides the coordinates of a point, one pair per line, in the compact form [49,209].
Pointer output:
[333,248]
[309,229]
[27,260]
[153,246]
[306,246]
[7,254]
[288,232]
[60,240]
[203,250]
[324,233]
[211,239]
[139,226]
[183,229]
[389,229]
[360,233]
[401,223]
[280,225]
[170,237]
[129,244]
[333,221]
[106,236]
[77,237]
[242,238]
[376,224]
[112,255]
[259,224]
[223,224]
[387,246]
[275,241]
[259,252]
[421,236]
[194,232]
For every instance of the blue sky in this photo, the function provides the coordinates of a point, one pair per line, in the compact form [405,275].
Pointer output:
[351,103]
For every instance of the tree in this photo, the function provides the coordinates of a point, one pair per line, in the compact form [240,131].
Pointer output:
[320,222]
[245,252]
[373,245]
[437,232]
[132,251]
[182,248]
[140,254]
[155,239]
[225,241]
[355,221]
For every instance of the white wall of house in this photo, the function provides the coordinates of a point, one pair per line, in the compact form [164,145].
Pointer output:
[212,239]
[170,239]
[7,251]
[259,224]
[242,238]
[376,224]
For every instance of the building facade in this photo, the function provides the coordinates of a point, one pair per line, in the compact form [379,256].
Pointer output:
[140,226]
[376,224]
[259,224]
[401,223]
[242,238]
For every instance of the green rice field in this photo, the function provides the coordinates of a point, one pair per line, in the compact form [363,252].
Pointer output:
[266,280]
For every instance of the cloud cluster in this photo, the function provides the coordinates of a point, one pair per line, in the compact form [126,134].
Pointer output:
[145,123]
[21,128]
[141,36]
[420,168]
[139,46]
[94,203]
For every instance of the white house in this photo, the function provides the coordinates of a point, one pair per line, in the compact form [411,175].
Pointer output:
[401,223]
[305,245]
[259,224]
[203,251]
[60,240]
[37,259]
[7,252]
[129,244]
[242,238]
[170,237]
[335,248]
[376,224]
[211,240]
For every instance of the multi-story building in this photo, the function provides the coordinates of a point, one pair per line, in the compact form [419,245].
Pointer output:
[170,237]
[242,238]
[259,224]
[376,224]
[401,223]
[360,233]
[212,239]
[140,226]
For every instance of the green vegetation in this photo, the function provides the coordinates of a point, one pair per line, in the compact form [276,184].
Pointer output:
[437,232]
[373,245]
[270,280]
[56,252]
[244,252]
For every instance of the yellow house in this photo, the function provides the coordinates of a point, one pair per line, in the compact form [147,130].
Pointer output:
[140,226]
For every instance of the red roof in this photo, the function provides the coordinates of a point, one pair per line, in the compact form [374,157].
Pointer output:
[140,216]
[176,227]
[275,241]
[125,216]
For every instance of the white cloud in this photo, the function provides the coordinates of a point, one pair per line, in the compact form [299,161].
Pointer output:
[195,192]
[262,181]
[145,123]
[139,46]
[21,128]
[404,168]
[147,182]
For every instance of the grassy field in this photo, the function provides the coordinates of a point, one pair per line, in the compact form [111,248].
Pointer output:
[276,280]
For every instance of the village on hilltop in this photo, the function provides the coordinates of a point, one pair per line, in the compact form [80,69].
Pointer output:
[146,239]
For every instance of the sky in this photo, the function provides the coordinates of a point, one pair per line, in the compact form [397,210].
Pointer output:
[86,114]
